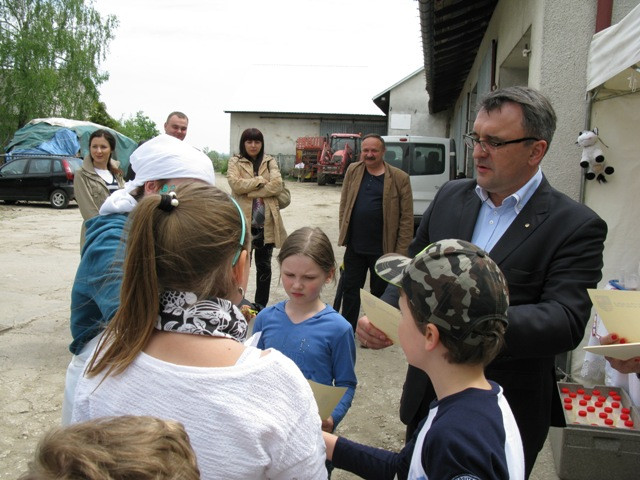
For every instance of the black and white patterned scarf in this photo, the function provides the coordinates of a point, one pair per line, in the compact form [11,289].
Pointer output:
[181,312]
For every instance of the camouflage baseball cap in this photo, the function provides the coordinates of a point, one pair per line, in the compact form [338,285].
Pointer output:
[452,283]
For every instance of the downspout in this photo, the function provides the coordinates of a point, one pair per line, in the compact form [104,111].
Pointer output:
[603,14]
[587,126]
[604,10]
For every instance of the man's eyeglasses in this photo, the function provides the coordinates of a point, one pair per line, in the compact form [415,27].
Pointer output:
[489,145]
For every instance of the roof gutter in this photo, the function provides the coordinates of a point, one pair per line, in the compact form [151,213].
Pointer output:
[426,25]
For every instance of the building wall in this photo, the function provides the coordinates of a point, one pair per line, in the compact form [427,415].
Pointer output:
[621,8]
[280,134]
[564,41]
[410,99]
[558,35]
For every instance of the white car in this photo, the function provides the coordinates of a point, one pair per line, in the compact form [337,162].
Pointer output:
[429,161]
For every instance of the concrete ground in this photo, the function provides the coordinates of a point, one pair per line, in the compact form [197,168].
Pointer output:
[39,255]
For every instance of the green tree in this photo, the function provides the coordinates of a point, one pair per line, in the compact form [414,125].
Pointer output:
[100,116]
[220,160]
[139,127]
[50,51]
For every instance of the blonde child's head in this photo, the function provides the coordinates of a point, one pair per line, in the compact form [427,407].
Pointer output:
[115,448]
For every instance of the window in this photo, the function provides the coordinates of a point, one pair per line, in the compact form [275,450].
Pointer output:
[40,165]
[15,168]
[393,156]
[427,160]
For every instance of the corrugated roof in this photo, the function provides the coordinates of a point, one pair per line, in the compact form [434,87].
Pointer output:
[452,31]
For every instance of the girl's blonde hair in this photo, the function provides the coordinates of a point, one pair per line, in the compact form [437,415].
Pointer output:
[313,243]
[188,248]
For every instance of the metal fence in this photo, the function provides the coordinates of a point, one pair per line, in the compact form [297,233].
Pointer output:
[285,163]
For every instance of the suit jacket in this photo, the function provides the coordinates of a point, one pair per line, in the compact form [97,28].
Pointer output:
[397,207]
[550,255]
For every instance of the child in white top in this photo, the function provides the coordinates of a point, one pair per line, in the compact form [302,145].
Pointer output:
[174,348]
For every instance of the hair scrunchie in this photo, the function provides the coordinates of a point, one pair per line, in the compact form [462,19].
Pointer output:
[168,201]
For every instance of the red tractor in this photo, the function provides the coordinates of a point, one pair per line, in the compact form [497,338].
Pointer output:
[339,151]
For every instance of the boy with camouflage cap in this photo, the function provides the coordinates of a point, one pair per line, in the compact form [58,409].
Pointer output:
[454,302]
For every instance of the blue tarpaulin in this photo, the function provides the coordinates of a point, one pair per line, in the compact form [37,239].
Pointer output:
[63,142]
[62,136]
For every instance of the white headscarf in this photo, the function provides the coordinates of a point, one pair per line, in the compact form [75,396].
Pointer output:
[161,158]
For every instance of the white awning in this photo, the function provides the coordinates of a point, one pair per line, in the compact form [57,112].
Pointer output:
[614,56]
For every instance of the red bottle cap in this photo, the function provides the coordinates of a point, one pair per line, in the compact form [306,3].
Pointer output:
[615,404]
[583,403]
[580,391]
[624,416]
[608,421]
[595,392]
[568,400]
[626,410]
[573,394]
[617,398]
[608,409]
[582,413]
[628,423]
[612,393]
[564,390]
[568,406]
[601,414]
[591,409]
[599,404]
[602,399]
[587,396]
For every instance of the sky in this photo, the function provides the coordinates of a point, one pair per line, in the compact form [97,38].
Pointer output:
[203,57]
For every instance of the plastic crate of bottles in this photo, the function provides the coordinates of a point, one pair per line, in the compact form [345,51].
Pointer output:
[602,437]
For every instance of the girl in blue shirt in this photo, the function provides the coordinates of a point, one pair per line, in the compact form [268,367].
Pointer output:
[304,328]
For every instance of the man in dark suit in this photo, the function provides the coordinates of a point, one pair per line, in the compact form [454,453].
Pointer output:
[548,246]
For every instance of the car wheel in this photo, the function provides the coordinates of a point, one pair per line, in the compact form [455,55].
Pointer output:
[9,202]
[59,199]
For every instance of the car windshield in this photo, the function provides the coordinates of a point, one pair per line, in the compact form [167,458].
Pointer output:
[340,143]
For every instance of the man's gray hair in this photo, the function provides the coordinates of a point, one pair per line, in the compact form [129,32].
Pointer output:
[538,116]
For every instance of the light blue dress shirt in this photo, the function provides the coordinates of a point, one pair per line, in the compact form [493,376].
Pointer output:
[493,221]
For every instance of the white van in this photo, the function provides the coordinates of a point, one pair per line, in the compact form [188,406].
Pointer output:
[429,161]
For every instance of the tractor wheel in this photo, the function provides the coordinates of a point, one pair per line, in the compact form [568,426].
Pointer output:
[322,179]
[331,180]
